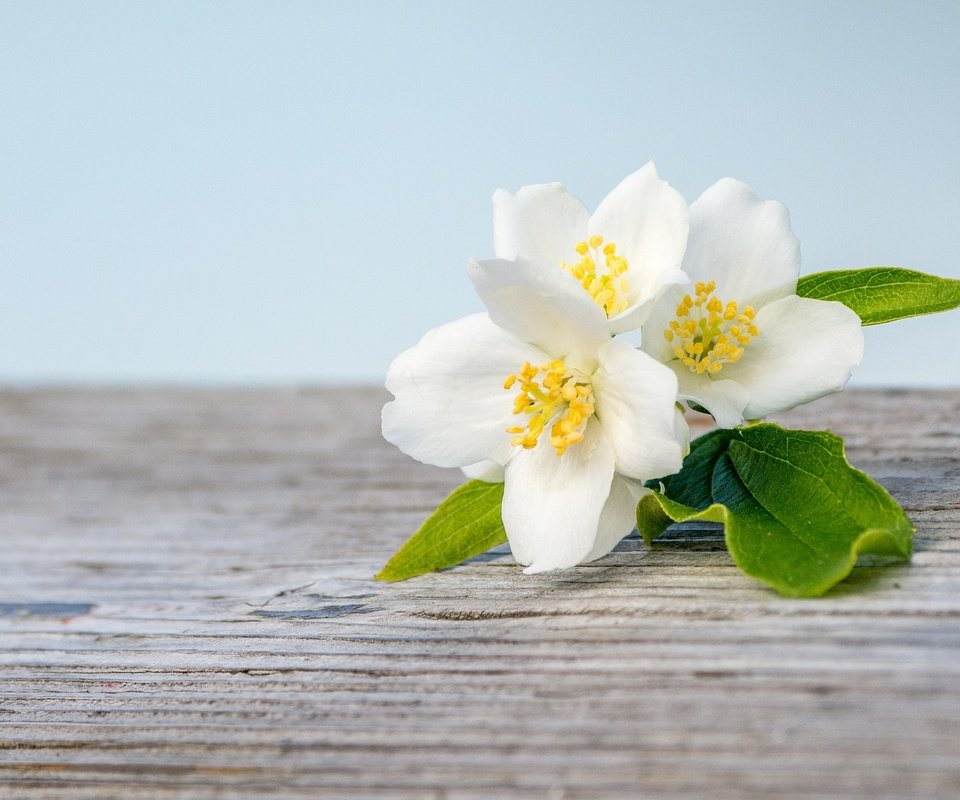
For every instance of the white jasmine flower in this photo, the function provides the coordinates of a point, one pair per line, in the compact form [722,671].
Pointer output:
[575,419]
[623,255]
[742,343]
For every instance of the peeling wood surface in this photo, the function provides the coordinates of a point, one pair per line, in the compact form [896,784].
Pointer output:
[186,611]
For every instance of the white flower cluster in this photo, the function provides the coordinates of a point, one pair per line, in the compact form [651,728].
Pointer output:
[541,393]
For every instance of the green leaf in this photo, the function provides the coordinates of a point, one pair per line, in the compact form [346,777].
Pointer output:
[883,294]
[466,524]
[796,514]
[692,483]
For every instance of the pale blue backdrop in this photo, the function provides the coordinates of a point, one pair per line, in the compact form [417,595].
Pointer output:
[289,192]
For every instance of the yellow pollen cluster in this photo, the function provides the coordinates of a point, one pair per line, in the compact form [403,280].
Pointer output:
[558,397]
[708,333]
[608,286]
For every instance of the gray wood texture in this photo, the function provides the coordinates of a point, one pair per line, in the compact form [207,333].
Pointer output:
[187,611]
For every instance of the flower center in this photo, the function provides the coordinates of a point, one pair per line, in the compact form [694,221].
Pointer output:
[707,333]
[602,273]
[558,396]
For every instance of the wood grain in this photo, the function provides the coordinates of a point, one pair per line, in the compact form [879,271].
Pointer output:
[187,611]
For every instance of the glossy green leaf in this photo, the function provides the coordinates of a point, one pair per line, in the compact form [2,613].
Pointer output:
[691,485]
[796,514]
[466,524]
[883,294]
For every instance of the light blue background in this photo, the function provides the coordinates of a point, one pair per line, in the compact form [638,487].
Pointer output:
[289,192]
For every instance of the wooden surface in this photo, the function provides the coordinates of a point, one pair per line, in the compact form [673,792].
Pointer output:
[186,610]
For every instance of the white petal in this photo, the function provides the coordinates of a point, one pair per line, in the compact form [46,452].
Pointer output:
[806,349]
[451,409]
[725,399]
[647,219]
[743,243]
[637,314]
[618,518]
[552,504]
[681,432]
[636,400]
[541,221]
[542,304]
[487,471]
[664,311]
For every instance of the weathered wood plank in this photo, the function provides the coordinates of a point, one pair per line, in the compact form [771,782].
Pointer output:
[186,610]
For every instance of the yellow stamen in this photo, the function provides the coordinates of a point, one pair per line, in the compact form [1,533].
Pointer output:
[602,273]
[549,394]
[708,333]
